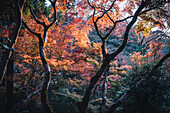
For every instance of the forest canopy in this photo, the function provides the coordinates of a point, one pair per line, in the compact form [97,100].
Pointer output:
[84,56]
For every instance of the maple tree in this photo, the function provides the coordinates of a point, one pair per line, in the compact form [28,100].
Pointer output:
[74,60]
[58,42]
[108,57]
[42,42]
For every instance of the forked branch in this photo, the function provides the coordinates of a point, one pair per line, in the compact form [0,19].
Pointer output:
[55,15]
[83,105]
[42,42]
[95,21]
[35,17]
[43,23]
[105,11]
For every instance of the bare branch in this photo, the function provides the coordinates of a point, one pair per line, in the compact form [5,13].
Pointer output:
[97,30]
[157,65]
[105,11]
[94,14]
[43,23]
[111,30]
[110,18]
[95,21]
[37,34]
[128,29]
[35,17]
[115,22]
[21,4]
[145,11]
[55,14]
[83,105]
[90,4]
[93,8]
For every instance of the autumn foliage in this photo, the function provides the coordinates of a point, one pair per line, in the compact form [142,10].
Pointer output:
[97,53]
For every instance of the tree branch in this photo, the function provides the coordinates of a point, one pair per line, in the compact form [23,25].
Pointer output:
[42,42]
[115,22]
[37,34]
[35,17]
[97,30]
[110,18]
[90,4]
[135,86]
[55,15]
[83,105]
[143,4]
[105,11]
[156,66]
[145,11]
[95,21]
[111,30]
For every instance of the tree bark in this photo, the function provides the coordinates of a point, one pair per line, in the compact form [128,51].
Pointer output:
[9,85]
[42,43]
[84,103]
[104,91]
[18,8]
[47,79]
[105,81]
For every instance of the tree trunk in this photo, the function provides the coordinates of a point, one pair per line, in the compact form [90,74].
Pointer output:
[104,91]
[9,85]
[47,79]
[42,42]
[3,64]
[18,8]
[106,74]
[84,103]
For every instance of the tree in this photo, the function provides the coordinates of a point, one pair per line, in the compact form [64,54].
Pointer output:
[18,9]
[66,55]
[9,31]
[108,57]
[42,42]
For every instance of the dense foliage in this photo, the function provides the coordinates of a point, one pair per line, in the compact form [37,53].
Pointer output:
[78,56]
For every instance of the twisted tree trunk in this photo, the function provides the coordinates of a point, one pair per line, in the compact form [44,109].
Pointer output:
[42,42]
[44,91]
